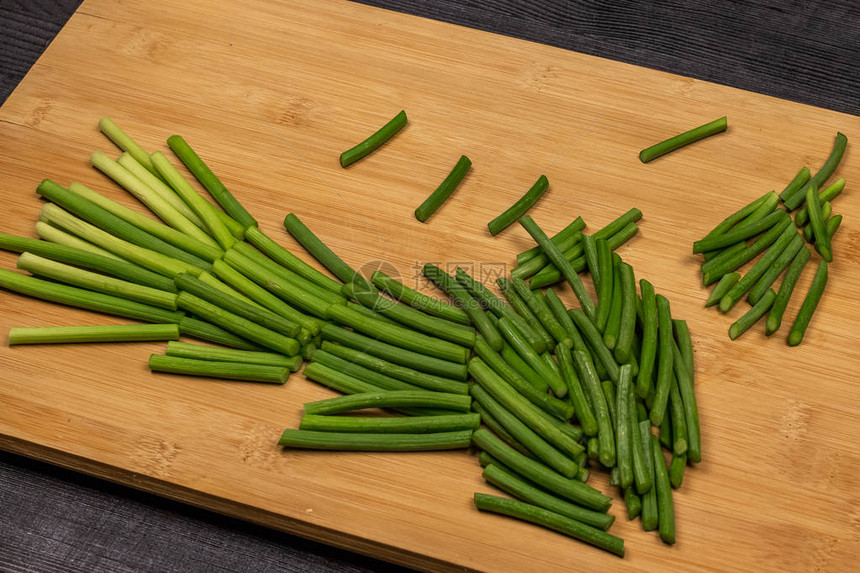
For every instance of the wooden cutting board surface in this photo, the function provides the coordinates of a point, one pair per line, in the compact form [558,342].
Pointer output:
[269,94]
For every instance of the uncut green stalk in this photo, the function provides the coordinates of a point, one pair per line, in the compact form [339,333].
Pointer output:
[277,285]
[263,297]
[406,316]
[292,278]
[533,417]
[399,336]
[564,240]
[210,181]
[496,427]
[390,399]
[593,389]
[397,355]
[214,354]
[775,269]
[150,190]
[795,200]
[391,425]
[527,353]
[225,370]
[723,287]
[82,298]
[382,135]
[828,194]
[144,257]
[627,324]
[238,325]
[753,315]
[521,432]
[740,233]
[322,253]
[203,330]
[548,403]
[542,340]
[47,232]
[682,139]
[237,306]
[445,189]
[151,226]
[665,507]
[109,223]
[81,258]
[648,352]
[816,221]
[679,419]
[758,269]
[95,282]
[623,432]
[404,374]
[465,301]
[561,263]
[215,225]
[541,475]
[592,337]
[420,301]
[79,334]
[649,498]
[714,269]
[613,323]
[510,483]
[604,283]
[684,378]
[498,307]
[780,303]
[289,261]
[541,310]
[124,142]
[799,181]
[372,377]
[664,364]
[810,302]
[581,406]
[374,442]
[551,520]
[518,209]
[165,202]
[550,275]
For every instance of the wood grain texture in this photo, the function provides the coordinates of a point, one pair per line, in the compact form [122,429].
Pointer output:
[270,96]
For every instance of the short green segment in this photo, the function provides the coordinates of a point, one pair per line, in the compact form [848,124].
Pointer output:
[825,195]
[797,198]
[550,520]
[775,269]
[376,140]
[390,425]
[753,315]
[801,179]
[107,333]
[519,208]
[648,350]
[572,230]
[664,364]
[420,301]
[597,398]
[810,302]
[714,269]
[816,222]
[663,487]
[225,370]
[680,140]
[215,354]
[445,189]
[391,399]
[777,309]
[740,233]
[122,140]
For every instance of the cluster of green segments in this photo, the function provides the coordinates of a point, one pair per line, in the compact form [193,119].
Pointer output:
[543,390]
[764,226]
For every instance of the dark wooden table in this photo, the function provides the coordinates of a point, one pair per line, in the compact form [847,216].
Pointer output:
[55,520]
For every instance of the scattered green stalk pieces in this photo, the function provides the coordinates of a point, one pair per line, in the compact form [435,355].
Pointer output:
[816,221]
[714,269]
[664,365]
[593,389]
[774,319]
[288,260]
[205,331]
[613,323]
[445,189]
[108,333]
[623,435]
[740,233]
[550,520]
[663,486]
[571,231]
[807,309]
[796,200]
[215,354]
[390,399]
[648,352]
[519,208]
[775,269]
[373,142]
[632,502]
[584,413]
[676,470]
[829,194]
[124,142]
[415,299]
[799,181]
[592,337]
[225,370]
[649,498]
[627,325]
[541,339]
[680,140]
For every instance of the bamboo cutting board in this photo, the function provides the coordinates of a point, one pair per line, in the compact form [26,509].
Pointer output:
[269,94]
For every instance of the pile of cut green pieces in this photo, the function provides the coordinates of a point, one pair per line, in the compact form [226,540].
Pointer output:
[545,392]
[764,227]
